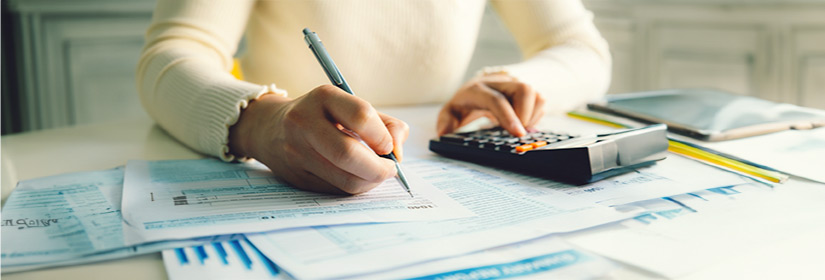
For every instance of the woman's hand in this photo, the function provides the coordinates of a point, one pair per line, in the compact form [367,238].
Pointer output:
[301,140]
[513,104]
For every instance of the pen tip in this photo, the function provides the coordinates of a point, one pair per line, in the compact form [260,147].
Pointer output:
[307,31]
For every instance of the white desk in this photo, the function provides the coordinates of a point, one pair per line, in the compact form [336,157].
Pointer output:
[103,146]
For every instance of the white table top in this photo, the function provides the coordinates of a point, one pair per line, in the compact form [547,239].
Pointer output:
[107,145]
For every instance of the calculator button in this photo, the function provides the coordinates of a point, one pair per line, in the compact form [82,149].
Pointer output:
[508,147]
[538,144]
[524,148]
[455,138]
[511,140]
[478,143]
[492,145]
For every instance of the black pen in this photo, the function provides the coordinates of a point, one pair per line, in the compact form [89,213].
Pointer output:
[337,79]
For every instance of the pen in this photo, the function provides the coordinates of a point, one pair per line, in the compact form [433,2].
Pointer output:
[337,79]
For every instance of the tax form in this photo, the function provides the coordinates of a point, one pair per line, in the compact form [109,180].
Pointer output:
[69,219]
[180,199]
[543,258]
[671,176]
[507,212]
[49,218]
[726,224]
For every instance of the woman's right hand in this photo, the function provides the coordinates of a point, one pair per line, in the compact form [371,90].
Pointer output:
[301,140]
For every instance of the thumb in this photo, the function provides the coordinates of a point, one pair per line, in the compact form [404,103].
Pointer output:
[447,122]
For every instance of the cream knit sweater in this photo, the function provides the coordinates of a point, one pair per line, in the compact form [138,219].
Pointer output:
[392,52]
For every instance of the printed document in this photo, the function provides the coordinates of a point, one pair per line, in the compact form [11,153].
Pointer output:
[508,212]
[543,258]
[671,176]
[180,199]
[68,219]
[726,224]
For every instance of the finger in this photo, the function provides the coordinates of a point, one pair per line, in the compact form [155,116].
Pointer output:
[359,116]
[310,182]
[289,171]
[399,130]
[477,114]
[447,121]
[538,111]
[321,168]
[521,96]
[347,153]
[500,107]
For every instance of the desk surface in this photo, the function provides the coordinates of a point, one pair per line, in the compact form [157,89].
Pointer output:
[102,146]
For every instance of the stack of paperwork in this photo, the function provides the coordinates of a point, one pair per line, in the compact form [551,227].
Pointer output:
[461,211]
[70,219]
[713,225]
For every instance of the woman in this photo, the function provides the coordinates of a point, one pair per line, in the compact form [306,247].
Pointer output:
[392,52]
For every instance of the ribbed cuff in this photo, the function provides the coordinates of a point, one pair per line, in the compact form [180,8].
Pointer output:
[239,98]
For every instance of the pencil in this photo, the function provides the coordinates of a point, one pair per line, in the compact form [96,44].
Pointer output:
[702,153]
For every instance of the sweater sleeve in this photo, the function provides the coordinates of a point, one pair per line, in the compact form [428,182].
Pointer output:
[183,75]
[566,59]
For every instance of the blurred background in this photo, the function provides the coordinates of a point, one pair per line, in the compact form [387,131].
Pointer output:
[73,62]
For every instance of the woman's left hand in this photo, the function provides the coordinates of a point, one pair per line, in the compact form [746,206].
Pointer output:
[513,104]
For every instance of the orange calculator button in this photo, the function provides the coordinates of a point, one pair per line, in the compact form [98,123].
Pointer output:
[524,148]
[539,144]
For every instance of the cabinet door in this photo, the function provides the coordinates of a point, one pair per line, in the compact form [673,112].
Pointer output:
[102,79]
[86,68]
[809,66]
[724,56]
[619,33]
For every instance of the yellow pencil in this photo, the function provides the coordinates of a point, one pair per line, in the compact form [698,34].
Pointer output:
[696,153]
[689,151]
[592,119]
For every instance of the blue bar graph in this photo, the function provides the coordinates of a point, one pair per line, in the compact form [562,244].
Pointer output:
[221,252]
[217,261]
[181,256]
[241,253]
[201,254]
[273,269]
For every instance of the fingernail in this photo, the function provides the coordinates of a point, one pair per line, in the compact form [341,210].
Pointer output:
[519,128]
[398,154]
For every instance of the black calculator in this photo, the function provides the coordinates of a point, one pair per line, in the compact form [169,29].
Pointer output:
[574,159]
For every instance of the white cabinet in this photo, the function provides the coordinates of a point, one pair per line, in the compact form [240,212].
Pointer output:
[807,62]
[771,49]
[685,55]
[76,60]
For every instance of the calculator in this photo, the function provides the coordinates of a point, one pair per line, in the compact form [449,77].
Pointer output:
[573,159]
